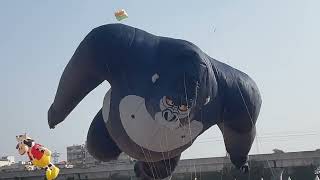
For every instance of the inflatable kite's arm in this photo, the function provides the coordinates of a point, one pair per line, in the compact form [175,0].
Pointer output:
[78,79]
[95,60]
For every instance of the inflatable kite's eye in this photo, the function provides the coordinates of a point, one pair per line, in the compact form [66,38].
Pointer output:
[183,108]
[169,101]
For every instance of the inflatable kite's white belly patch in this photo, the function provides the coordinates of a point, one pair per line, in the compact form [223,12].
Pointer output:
[147,132]
[153,134]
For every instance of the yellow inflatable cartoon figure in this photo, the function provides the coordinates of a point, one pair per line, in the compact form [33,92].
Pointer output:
[38,155]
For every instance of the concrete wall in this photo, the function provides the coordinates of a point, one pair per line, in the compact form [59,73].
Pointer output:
[125,170]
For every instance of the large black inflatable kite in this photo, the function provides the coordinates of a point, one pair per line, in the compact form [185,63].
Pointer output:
[164,93]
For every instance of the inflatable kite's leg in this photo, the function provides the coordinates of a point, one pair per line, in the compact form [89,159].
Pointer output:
[81,75]
[238,145]
[156,170]
[48,173]
[54,171]
[99,143]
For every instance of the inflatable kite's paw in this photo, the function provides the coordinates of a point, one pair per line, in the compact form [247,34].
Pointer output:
[245,168]
[54,172]
[51,122]
[239,161]
[54,118]
[48,174]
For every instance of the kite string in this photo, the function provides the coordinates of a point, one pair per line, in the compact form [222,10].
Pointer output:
[168,154]
[189,120]
[144,154]
[157,171]
[253,125]
[247,109]
[162,153]
[147,161]
[223,131]
[154,162]
[268,163]
[224,163]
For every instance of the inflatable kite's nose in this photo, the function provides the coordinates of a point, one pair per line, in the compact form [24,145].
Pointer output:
[169,115]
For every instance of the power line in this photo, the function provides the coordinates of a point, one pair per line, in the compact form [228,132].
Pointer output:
[263,138]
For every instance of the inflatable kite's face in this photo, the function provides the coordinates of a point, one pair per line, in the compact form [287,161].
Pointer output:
[162,119]
[173,114]
[173,110]
[179,89]
[173,100]
[21,146]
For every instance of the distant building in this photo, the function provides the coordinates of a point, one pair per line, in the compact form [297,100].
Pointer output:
[76,154]
[18,166]
[6,160]
[79,155]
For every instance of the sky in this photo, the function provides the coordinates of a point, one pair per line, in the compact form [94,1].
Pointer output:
[275,42]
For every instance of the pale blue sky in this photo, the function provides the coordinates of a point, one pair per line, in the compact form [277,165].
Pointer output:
[275,42]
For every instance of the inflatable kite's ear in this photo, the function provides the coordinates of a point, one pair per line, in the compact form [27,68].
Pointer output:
[18,138]
[22,137]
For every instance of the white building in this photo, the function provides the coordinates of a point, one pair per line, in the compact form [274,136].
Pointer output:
[6,160]
[21,165]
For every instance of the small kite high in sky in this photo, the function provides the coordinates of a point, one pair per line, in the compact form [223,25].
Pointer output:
[121,14]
